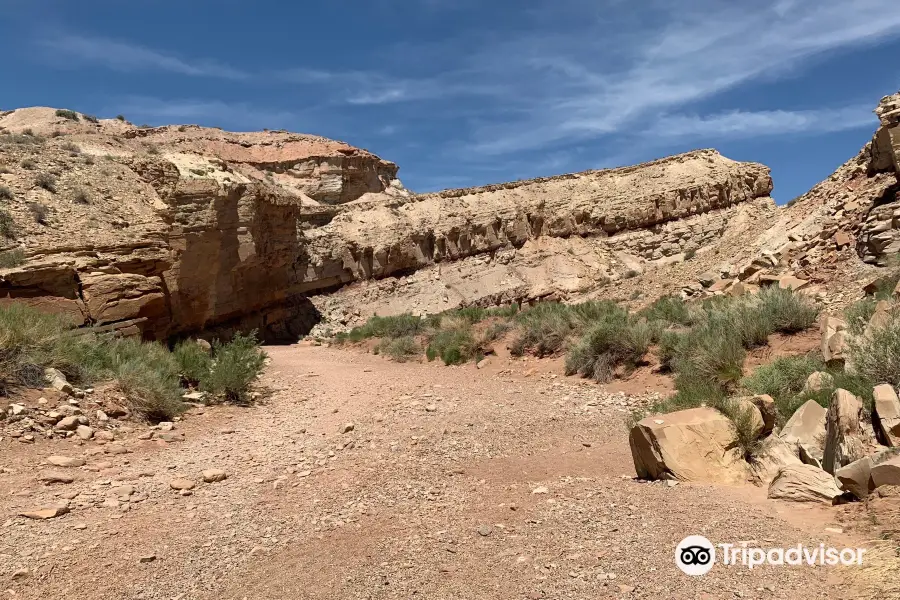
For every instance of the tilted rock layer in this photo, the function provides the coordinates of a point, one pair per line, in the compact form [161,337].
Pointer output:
[172,231]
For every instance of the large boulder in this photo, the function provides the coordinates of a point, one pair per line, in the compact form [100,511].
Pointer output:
[843,432]
[885,468]
[834,341]
[856,477]
[688,445]
[804,483]
[886,417]
[775,454]
[806,430]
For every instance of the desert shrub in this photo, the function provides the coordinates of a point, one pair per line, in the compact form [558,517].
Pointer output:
[236,365]
[744,421]
[751,325]
[46,181]
[4,170]
[387,327]
[608,344]
[631,274]
[79,196]
[39,211]
[12,258]
[453,346]
[5,193]
[151,386]
[28,163]
[21,139]
[7,227]
[709,357]
[668,309]
[783,377]
[399,349]
[788,312]
[90,118]
[152,149]
[194,362]
[88,160]
[876,356]
[120,117]
[690,253]
[858,314]
[70,147]
[545,328]
[667,348]
[31,340]
[67,114]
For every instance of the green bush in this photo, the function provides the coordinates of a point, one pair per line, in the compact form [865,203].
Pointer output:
[67,114]
[28,163]
[453,346]
[46,181]
[120,117]
[545,328]
[387,327]
[709,356]
[399,349]
[745,422]
[39,211]
[858,315]
[668,309]
[194,362]
[30,341]
[7,226]
[79,196]
[608,344]
[876,356]
[236,365]
[6,193]
[784,377]
[12,258]
[71,147]
[90,118]
[788,312]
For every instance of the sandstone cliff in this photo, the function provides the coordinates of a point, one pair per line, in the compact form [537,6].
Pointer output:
[176,230]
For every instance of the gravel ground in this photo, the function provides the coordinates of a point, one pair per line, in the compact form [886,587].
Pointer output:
[362,478]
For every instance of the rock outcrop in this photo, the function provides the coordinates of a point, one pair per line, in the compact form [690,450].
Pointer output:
[171,231]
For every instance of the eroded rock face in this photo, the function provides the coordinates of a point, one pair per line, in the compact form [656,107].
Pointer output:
[187,229]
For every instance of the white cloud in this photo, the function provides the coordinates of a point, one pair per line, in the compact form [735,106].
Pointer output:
[745,124]
[127,57]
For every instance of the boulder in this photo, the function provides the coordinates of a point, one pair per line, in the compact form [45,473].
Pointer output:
[767,410]
[57,380]
[856,477]
[818,381]
[843,433]
[50,512]
[688,445]
[806,430]
[886,417]
[886,472]
[803,483]
[834,341]
[775,453]
[790,282]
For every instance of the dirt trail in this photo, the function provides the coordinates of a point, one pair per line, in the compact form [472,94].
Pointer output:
[453,483]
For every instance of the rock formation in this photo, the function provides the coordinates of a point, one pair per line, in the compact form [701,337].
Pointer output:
[171,231]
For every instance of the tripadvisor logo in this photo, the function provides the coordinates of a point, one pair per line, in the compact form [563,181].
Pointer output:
[696,555]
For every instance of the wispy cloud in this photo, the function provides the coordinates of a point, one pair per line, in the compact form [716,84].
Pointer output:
[698,54]
[128,57]
[744,124]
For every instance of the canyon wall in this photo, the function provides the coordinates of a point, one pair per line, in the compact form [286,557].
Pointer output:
[172,231]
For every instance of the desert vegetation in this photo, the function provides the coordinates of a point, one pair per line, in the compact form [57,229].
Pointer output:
[148,374]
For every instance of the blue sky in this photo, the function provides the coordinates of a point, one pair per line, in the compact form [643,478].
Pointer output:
[469,92]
